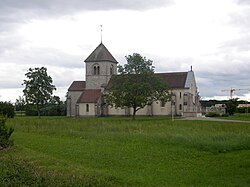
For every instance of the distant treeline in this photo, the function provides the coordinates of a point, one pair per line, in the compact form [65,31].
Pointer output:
[51,109]
[209,103]
[244,109]
[58,109]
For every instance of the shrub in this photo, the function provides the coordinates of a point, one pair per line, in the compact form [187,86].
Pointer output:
[243,110]
[54,110]
[31,110]
[5,134]
[224,115]
[212,114]
[7,109]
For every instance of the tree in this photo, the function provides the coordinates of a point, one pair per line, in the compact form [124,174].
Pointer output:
[137,85]
[20,104]
[232,106]
[38,87]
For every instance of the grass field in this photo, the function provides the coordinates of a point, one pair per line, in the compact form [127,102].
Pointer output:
[149,151]
[239,116]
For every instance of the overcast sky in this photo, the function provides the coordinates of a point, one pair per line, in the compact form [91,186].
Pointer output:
[211,35]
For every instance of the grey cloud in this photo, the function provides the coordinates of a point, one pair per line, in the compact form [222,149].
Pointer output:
[243,2]
[241,19]
[240,44]
[211,84]
[13,12]
[19,60]
[57,7]
[43,56]
[222,72]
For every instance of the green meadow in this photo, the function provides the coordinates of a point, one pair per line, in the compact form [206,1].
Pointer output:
[118,151]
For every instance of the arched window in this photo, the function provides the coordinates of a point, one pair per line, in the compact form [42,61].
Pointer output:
[111,70]
[87,107]
[96,69]
[180,107]
[163,103]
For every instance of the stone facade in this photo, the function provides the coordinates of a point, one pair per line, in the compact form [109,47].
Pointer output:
[98,74]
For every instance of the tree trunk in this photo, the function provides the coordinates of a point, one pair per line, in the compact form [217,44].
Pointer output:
[134,112]
[38,110]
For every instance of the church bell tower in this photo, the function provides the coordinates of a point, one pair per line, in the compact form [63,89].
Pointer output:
[100,66]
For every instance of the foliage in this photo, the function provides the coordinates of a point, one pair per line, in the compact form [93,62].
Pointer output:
[38,87]
[212,114]
[239,116]
[243,110]
[5,134]
[7,109]
[231,106]
[48,110]
[20,104]
[58,109]
[148,151]
[209,103]
[137,86]
[31,110]
[22,173]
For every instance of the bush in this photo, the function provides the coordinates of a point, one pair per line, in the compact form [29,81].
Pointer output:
[31,110]
[212,114]
[243,110]
[225,115]
[54,110]
[49,110]
[5,134]
[7,109]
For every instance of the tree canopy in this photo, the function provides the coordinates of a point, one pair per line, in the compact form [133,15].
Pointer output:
[136,86]
[38,87]
[232,106]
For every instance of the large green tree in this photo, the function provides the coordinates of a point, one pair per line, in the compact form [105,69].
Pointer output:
[232,106]
[38,87]
[136,86]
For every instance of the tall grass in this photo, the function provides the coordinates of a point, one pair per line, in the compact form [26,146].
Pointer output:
[144,152]
[239,116]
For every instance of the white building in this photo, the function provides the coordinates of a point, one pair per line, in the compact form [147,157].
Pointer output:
[85,98]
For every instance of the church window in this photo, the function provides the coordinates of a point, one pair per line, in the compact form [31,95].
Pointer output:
[180,107]
[163,103]
[87,107]
[96,69]
[180,95]
[111,70]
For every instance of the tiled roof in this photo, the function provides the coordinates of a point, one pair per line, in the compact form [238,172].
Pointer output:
[101,54]
[77,86]
[174,80]
[89,96]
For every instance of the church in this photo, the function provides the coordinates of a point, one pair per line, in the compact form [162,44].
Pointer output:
[85,98]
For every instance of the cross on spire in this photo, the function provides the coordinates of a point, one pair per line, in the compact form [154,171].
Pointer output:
[101,33]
